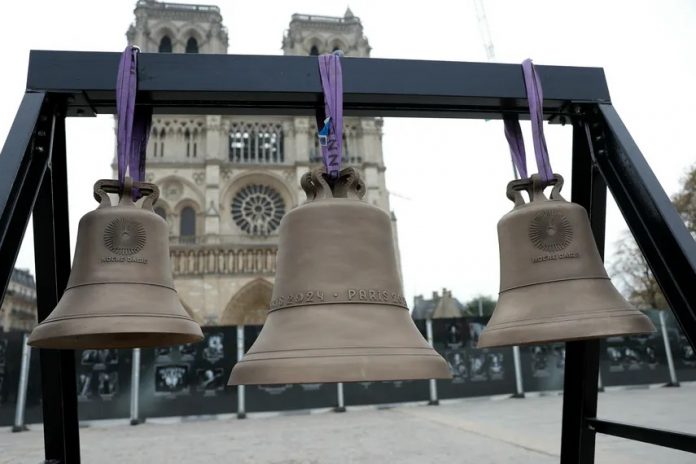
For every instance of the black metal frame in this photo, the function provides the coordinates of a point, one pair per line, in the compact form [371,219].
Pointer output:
[33,177]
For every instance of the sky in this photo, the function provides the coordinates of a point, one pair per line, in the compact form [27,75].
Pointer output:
[447,176]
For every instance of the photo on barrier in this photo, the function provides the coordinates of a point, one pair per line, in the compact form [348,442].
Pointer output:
[172,379]
[543,367]
[210,380]
[3,353]
[190,378]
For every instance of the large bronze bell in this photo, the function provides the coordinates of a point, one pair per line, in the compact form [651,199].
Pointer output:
[337,312]
[120,293]
[553,285]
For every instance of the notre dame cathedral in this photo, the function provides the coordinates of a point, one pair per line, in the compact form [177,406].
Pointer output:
[226,181]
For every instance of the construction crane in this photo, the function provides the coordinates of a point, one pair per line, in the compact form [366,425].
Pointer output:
[484,29]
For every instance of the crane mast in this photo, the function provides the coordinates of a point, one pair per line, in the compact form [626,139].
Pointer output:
[484,29]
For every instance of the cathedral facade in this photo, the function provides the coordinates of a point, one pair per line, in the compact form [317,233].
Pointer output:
[226,181]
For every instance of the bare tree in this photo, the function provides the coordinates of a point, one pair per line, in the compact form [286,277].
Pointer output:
[485,302]
[634,276]
[685,200]
[631,269]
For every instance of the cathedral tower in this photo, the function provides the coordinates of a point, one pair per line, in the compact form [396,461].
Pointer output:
[226,181]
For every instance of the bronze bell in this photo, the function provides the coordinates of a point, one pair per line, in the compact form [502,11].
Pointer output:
[553,285]
[120,293]
[337,312]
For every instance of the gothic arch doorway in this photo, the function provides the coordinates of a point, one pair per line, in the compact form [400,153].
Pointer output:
[249,305]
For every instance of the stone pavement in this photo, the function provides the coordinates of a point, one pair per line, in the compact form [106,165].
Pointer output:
[478,431]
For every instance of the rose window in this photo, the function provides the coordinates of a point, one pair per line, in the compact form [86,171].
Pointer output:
[257,209]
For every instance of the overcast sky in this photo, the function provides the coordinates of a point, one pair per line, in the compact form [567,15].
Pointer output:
[447,177]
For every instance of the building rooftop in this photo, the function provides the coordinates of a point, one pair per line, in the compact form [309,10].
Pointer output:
[439,306]
[155,5]
[23,277]
[347,20]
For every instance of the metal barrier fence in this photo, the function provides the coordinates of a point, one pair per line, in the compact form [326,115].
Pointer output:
[191,379]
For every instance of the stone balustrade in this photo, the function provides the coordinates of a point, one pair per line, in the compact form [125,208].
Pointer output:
[198,260]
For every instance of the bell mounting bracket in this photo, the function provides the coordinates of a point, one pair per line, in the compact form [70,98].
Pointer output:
[534,187]
[150,192]
[318,185]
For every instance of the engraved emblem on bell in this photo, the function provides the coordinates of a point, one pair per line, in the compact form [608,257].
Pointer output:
[550,231]
[124,237]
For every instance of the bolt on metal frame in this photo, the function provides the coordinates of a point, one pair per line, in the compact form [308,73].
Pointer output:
[33,178]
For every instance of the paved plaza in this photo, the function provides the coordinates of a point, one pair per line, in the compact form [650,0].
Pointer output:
[479,431]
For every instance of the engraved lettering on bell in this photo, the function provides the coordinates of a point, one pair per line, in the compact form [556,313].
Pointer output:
[550,231]
[350,295]
[124,237]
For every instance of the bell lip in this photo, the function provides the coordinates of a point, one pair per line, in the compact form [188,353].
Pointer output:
[187,332]
[577,329]
[333,369]
[119,317]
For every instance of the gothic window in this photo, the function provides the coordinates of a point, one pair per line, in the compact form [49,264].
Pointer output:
[165,45]
[161,212]
[192,45]
[187,226]
[314,51]
[157,138]
[187,139]
[315,156]
[257,209]
[346,154]
[348,157]
[162,134]
[153,138]
[257,143]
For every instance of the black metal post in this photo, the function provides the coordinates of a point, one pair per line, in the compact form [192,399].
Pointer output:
[656,225]
[52,254]
[582,357]
[22,164]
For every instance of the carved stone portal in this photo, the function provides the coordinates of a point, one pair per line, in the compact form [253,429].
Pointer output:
[250,305]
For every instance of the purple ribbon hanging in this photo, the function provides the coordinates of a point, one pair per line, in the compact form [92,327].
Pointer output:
[133,127]
[331,135]
[535,97]
[513,132]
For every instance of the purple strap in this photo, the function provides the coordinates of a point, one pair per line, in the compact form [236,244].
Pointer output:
[513,133]
[536,112]
[133,123]
[332,84]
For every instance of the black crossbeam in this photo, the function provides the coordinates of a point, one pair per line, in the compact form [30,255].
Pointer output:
[668,438]
[246,84]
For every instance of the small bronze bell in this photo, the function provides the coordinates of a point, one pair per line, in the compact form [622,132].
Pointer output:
[120,293]
[553,285]
[337,312]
